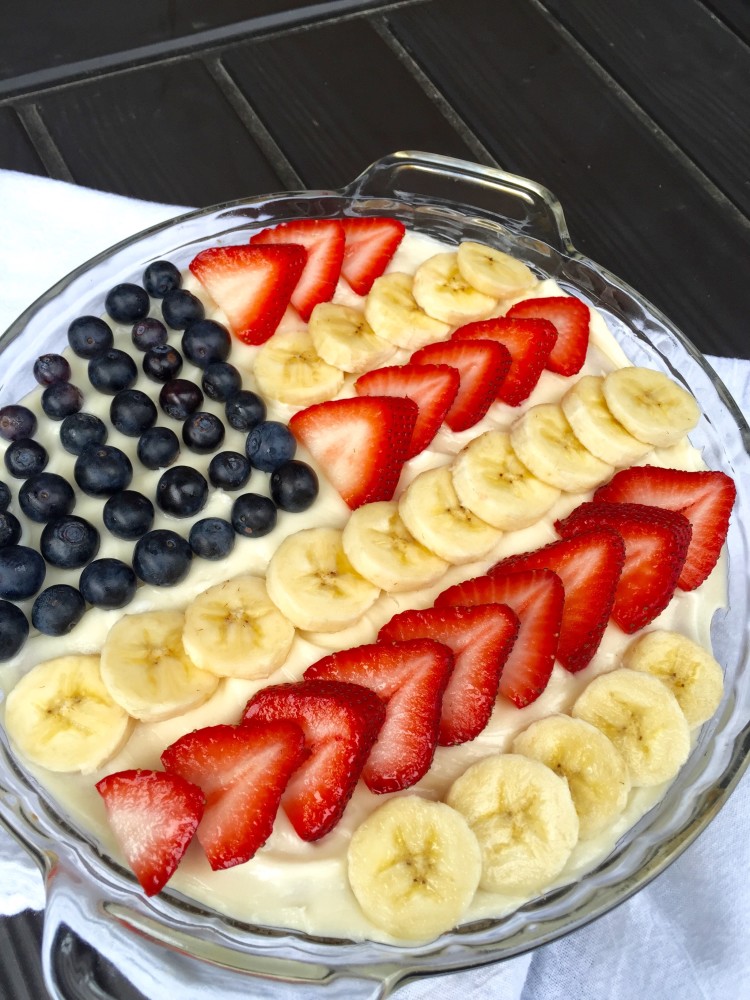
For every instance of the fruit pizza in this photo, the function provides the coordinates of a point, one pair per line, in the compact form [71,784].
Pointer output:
[364,566]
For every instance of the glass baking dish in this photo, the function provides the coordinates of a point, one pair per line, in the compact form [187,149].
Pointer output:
[169,938]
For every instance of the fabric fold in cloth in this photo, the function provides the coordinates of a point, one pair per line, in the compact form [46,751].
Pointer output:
[685,935]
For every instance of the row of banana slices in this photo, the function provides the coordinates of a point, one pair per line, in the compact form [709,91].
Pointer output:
[510,822]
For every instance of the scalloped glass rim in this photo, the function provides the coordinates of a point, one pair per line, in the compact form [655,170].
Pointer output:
[530,222]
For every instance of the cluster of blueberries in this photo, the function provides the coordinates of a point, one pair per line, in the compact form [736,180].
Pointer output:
[161,557]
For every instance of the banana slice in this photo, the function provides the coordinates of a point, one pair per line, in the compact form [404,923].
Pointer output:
[689,671]
[343,338]
[383,550]
[61,716]
[394,315]
[595,770]
[146,670]
[311,581]
[650,405]
[492,483]
[289,369]
[442,291]
[593,424]
[433,513]
[235,630]
[544,441]
[641,716]
[493,272]
[524,819]
[414,866]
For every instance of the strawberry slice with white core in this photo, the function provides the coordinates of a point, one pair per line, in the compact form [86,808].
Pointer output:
[571,318]
[252,285]
[370,244]
[482,365]
[243,771]
[410,677]
[529,342]
[537,598]
[589,566]
[323,239]
[705,498]
[432,387]
[360,443]
[153,815]
[341,722]
[481,639]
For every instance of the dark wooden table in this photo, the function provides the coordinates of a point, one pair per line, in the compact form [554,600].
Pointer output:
[634,113]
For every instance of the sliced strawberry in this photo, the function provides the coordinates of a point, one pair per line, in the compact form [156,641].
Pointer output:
[656,544]
[589,566]
[153,816]
[536,596]
[482,366]
[370,243]
[529,342]
[243,771]
[432,387]
[410,677]
[324,241]
[570,317]
[705,498]
[341,722]
[252,285]
[481,639]
[360,443]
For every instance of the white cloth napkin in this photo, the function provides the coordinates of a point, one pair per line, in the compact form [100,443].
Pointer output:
[686,935]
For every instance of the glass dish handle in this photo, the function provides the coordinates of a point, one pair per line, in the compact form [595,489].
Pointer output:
[516,202]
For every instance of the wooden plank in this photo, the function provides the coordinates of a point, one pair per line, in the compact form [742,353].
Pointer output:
[689,70]
[16,149]
[734,13]
[336,97]
[546,112]
[166,133]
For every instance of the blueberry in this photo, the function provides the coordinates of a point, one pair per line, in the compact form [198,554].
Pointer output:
[127,303]
[22,572]
[51,368]
[89,336]
[132,412]
[162,363]
[294,486]
[128,515]
[205,341]
[203,432]
[269,445]
[161,277]
[69,542]
[162,558]
[101,470]
[112,371]
[180,308]
[58,609]
[61,399]
[4,496]
[221,380]
[108,584]
[253,515]
[158,448]
[244,410]
[10,529]
[181,491]
[14,630]
[229,470]
[16,422]
[46,496]
[179,398]
[147,333]
[25,458]
[212,538]
[80,429]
